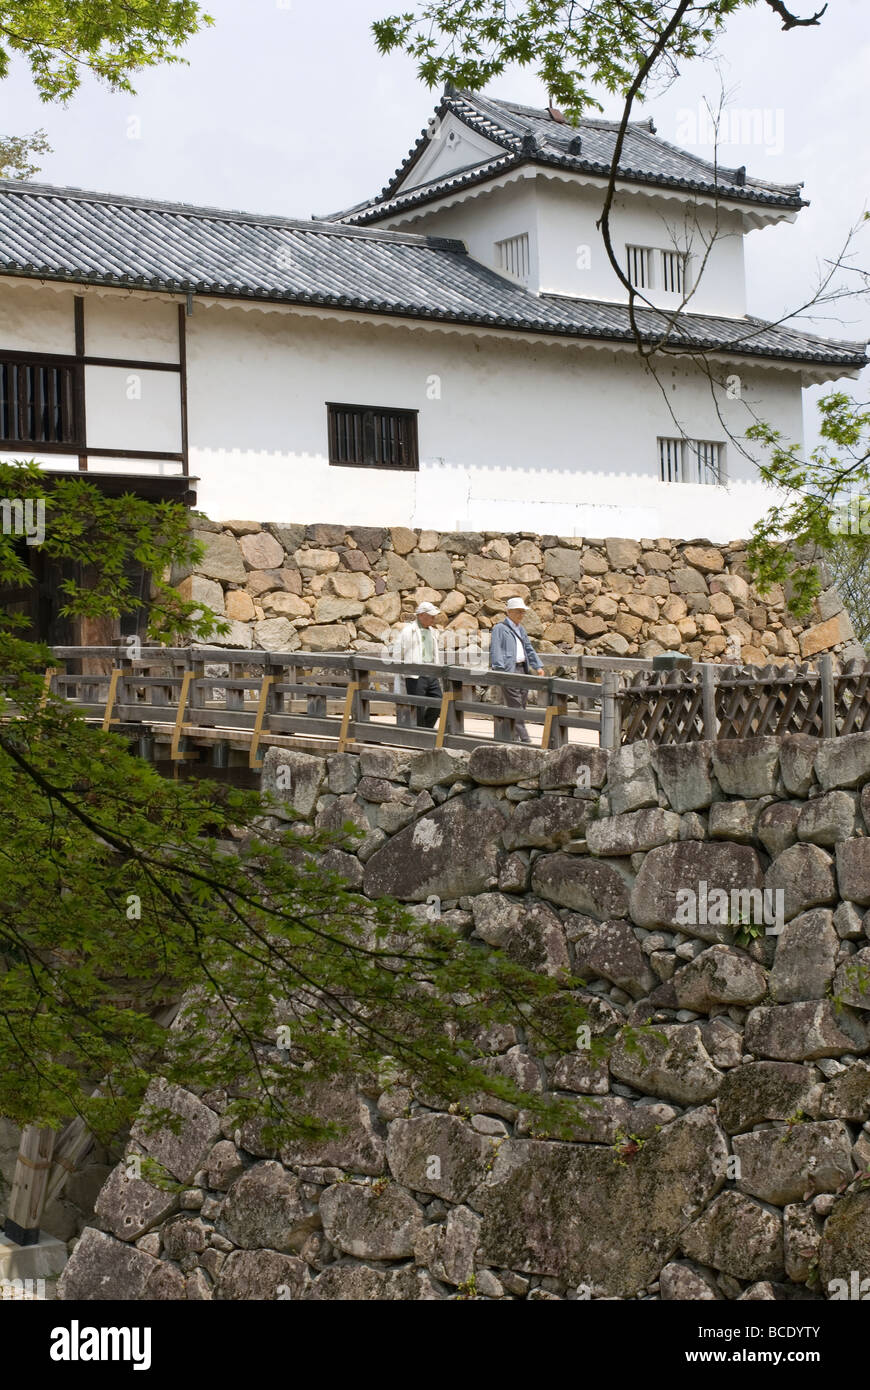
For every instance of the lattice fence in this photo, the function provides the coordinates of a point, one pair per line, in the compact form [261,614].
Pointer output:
[720,702]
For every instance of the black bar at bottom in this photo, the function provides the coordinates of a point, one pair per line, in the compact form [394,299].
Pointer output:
[19,1234]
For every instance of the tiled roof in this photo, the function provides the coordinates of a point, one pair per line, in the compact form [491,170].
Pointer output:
[750,336]
[532,136]
[104,239]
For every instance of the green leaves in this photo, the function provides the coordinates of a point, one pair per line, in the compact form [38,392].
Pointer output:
[98,542]
[573,48]
[115,39]
[804,526]
[849,563]
[252,934]
[15,152]
[123,893]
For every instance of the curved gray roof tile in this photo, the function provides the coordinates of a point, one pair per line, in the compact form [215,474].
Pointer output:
[105,239]
[532,135]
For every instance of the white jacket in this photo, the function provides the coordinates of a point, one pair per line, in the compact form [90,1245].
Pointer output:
[407,650]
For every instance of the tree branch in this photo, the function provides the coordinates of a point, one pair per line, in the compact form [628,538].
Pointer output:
[793,21]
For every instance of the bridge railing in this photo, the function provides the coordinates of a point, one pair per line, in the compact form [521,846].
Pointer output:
[351,697]
[707,701]
[345,697]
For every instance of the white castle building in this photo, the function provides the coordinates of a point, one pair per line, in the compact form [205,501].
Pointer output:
[455,353]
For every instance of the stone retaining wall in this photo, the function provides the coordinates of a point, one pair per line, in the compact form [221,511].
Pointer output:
[336,588]
[724,1161]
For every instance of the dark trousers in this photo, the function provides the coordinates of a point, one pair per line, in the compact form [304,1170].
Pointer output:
[425,685]
[515,696]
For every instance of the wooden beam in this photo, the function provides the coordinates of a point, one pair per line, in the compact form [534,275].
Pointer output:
[829,707]
[29,1185]
[708,695]
[50,673]
[72,1145]
[552,712]
[182,400]
[446,701]
[175,748]
[610,736]
[110,700]
[353,687]
[254,761]
[79,400]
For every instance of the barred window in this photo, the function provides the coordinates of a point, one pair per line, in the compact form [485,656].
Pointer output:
[674,272]
[670,456]
[38,401]
[640,269]
[652,268]
[690,461]
[366,436]
[513,256]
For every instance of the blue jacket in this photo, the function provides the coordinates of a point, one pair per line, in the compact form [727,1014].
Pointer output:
[503,647]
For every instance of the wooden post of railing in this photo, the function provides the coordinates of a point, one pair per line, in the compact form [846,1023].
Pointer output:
[447,698]
[829,707]
[554,708]
[283,701]
[708,697]
[235,699]
[406,715]
[610,725]
[176,753]
[197,694]
[50,673]
[29,1185]
[451,721]
[315,705]
[255,762]
[583,673]
[110,699]
[161,695]
[464,694]
[360,713]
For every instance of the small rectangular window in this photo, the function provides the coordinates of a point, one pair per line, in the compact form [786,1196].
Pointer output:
[706,461]
[365,436]
[670,455]
[690,461]
[674,272]
[640,266]
[512,256]
[38,401]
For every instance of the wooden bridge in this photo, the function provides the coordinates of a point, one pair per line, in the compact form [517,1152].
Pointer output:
[221,708]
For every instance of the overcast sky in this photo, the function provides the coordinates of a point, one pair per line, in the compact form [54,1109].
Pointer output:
[287,107]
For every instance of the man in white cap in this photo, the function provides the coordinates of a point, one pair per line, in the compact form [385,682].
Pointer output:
[511,650]
[416,645]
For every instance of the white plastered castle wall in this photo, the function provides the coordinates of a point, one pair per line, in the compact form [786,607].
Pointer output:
[567,254]
[514,435]
[516,432]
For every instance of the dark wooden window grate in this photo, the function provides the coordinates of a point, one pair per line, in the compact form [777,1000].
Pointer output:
[37,402]
[362,436]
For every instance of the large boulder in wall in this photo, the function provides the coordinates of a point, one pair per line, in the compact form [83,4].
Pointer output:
[446,853]
[572,1212]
